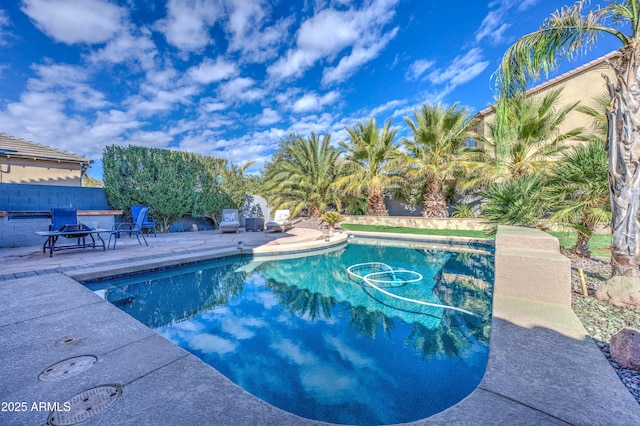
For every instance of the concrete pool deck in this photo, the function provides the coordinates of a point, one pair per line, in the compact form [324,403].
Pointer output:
[543,368]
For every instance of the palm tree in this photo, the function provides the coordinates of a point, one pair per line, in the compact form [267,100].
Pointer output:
[578,190]
[368,168]
[434,152]
[528,140]
[302,175]
[570,30]
[514,202]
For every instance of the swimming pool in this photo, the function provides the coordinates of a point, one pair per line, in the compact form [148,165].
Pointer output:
[303,335]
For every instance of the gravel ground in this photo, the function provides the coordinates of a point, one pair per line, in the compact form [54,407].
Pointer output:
[602,320]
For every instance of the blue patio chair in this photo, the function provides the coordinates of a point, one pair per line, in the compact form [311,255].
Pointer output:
[132,228]
[62,217]
[67,220]
[148,223]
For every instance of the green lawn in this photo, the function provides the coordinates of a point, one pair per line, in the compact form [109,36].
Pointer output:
[599,244]
[403,230]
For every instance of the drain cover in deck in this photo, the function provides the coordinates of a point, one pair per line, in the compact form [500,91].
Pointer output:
[67,368]
[85,405]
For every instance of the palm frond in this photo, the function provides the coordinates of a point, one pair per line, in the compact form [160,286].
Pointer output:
[566,32]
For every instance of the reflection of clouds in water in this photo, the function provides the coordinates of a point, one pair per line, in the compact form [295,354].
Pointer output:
[208,343]
[215,313]
[188,325]
[180,330]
[328,384]
[239,327]
[349,354]
[259,292]
[264,372]
[295,353]
[266,299]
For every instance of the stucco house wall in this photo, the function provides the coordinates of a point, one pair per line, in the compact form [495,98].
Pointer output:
[26,162]
[583,84]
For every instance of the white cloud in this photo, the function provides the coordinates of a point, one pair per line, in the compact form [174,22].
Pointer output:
[209,71]
[4,22]
[463,69]
[361,53]
[417,68]
[312,102]
[69,83]
[386,107]
[494,25]
[156,101]
[329,32]
[187,23]
[318,124]
[269,116]
[249,33]
[211,105]
[241,89]
[127,46]
[72,21]
[153,139]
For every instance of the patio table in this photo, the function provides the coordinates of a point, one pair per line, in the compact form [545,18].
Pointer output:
[72,232]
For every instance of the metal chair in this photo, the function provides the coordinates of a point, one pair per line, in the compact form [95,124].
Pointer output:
[148,223]
[131,228]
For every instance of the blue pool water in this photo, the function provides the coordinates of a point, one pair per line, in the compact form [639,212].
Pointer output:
[302,335]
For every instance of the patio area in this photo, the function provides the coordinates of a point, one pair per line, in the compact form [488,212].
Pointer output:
[543,368]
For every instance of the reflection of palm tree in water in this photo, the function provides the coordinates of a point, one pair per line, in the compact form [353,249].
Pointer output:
[302,302]
[366,322]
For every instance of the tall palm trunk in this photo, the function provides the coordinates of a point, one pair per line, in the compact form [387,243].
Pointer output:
[624,173]
[375,204]
[435,203]
[314,210]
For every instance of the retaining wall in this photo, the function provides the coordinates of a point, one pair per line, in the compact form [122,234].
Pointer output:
[419,222]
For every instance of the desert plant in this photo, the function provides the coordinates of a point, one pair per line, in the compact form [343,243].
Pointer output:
[463,211]
[331,218]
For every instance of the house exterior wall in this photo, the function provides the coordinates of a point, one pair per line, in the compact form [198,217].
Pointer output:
[584,84]
[39,172]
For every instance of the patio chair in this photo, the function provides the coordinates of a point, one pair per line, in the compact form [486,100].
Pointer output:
[280,222]
[62,217]
[229,221]
[149,221]
[132,228]
[67,220]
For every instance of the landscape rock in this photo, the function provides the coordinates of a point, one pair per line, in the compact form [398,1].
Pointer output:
[624,347]
[621,291]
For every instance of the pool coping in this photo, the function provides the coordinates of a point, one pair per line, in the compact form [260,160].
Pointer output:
[543,368]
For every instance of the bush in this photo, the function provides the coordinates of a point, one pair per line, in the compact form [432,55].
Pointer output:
[171,183]
[331,218]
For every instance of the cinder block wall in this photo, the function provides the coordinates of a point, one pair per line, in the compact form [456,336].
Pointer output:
[25,197]
[14,197]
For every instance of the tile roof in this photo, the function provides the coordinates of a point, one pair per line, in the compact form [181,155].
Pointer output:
[11,146]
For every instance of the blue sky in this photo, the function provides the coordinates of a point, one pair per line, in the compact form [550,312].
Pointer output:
[230,78]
